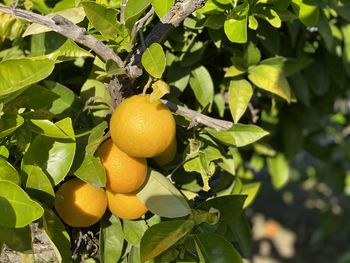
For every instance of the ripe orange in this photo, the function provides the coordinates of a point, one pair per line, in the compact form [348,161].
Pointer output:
[80,204]
[168,155]
[125,174]
[126,206]
[142,128]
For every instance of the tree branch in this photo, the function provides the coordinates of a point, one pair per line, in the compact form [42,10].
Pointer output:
[197,117]
[68,29]
[161,30]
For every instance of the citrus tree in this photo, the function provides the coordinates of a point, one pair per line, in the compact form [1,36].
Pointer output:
[251,84]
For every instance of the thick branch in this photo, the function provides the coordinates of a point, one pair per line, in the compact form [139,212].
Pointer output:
[197,117]
[68,29]
[161,30]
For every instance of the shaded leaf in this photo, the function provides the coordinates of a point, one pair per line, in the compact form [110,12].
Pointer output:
[134,230]
[162,198]
[162,236]
[213,248]
[279,170]
[18,239]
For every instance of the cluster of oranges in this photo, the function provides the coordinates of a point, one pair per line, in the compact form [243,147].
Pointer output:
[140,128]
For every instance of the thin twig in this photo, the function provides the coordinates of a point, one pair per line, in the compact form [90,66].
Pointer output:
[159,33]
[122,11]
[197,117]
[140,23]
[68,29]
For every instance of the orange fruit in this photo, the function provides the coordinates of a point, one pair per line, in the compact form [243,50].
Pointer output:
[80,204]
[168,155]
[126,206]
[125,174]
[142,128]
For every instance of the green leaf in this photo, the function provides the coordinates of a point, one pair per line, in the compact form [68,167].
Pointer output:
[242,235]
[38,185]
[75,15]
[9,123]
[213,248]
[133,10]
[325,31]
[162,236]
[202,86]
[56,231]
[10,27]
[17,239]
[47,128]
[8,172]
[162,7]
[28,71]
[162,198]
[92,171]
[307,11]
[111,239]
[346,50]
[236,30]
[102,18]
[271,79]
[251,190]
[4,152]
[239,134]
[96,138]
[16,207]
[133,231]
[240,93]
[230,206]
[53,156]
[279,170]
[252,55]
[69,49]
[342,7]
[270,16]
[154,61]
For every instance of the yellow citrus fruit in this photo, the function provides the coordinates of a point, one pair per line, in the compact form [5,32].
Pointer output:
[168,155]
[142,128]
[126,206]
[80,204]
[125,174]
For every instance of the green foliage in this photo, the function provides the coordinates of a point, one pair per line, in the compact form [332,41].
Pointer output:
[278,70]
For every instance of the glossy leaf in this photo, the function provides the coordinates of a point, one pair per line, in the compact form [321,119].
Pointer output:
[38,185]
[213,248]
[162,7]
[8,172]
[251,190]
[162,236]
[162,198]
[307,11]
[103,19]
[154,61]
[111,239]
[47,128]
[239,135]
[133,10]
[236,30]
[16,207]
[202,85]
[56,231]
[279,170]
[271,79]
[9,123]
[75,15]
[92,171]
[54,156]
[134,230]
[240,93]
[28,71]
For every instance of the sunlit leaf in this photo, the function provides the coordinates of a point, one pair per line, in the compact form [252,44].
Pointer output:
[279,170]
[16,207]
[240,93]
[8,172]
[161,7]
[154,61]
[202,85]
